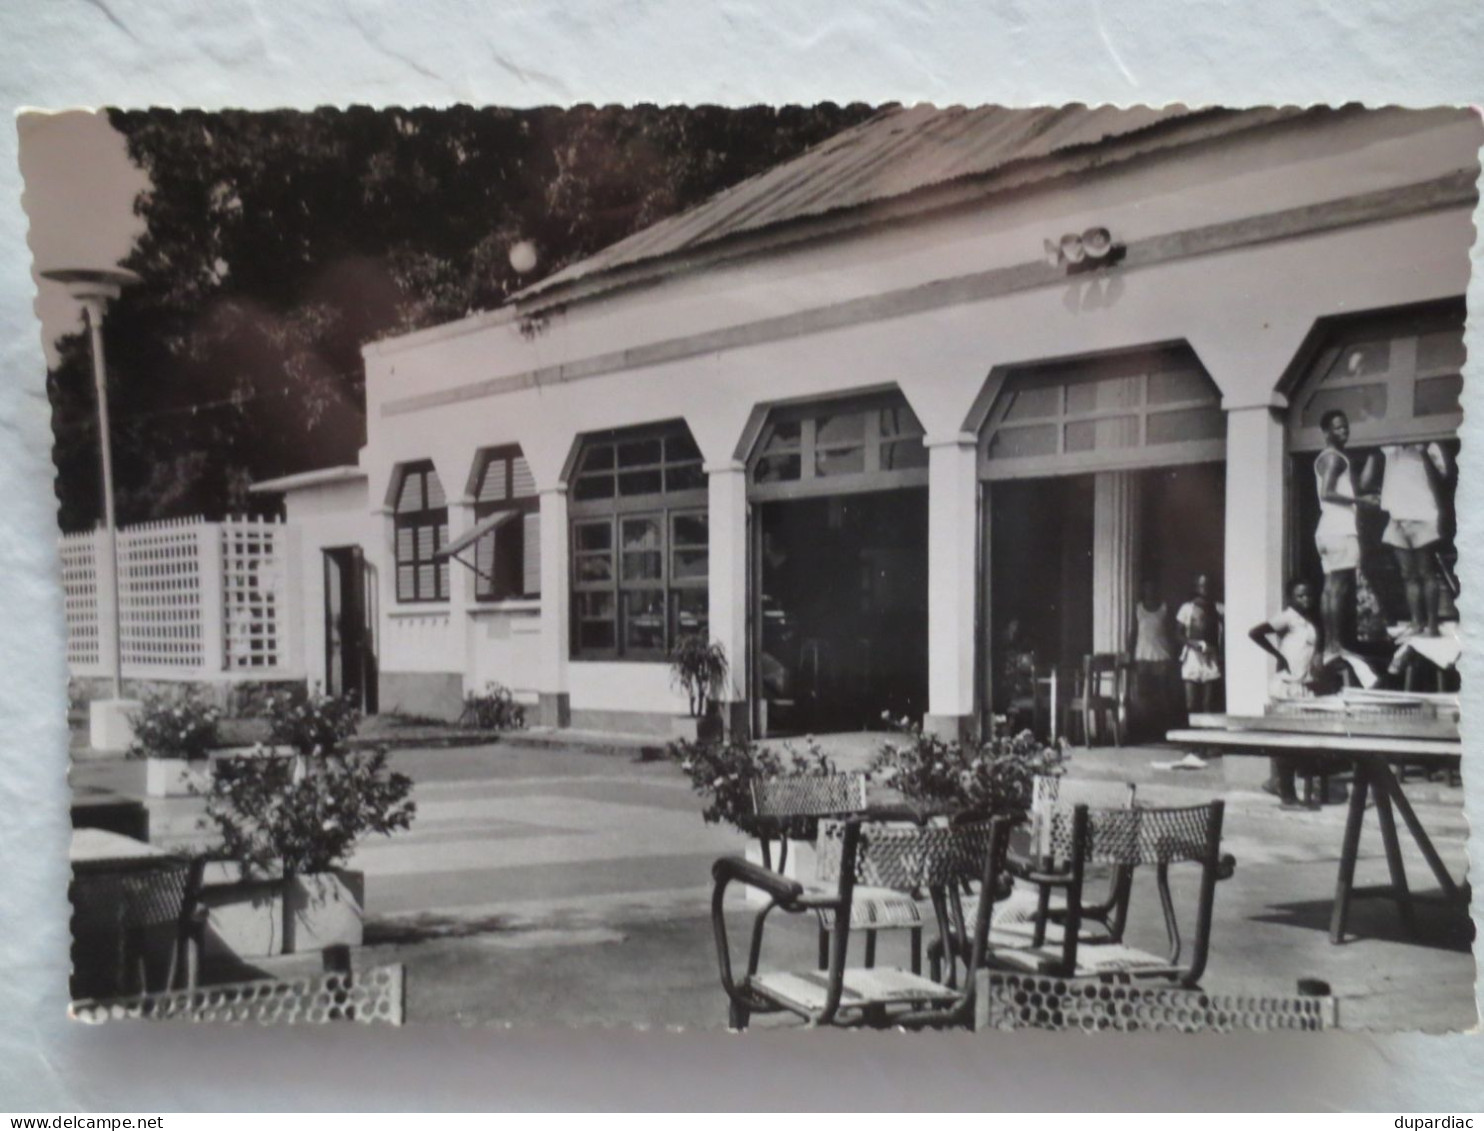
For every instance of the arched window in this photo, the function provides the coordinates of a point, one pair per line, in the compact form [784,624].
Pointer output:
[507,560]
[864,443]
[421,520]
[1150,408]
[1397,377]
[640,556]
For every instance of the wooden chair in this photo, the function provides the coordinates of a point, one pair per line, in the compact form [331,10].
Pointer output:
[782,805]
[1042,702]
[936,858]
[1121,838]
[1100,697]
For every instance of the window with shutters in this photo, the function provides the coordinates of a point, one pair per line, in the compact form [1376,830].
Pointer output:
[507,560]
[640,543]
[421,521]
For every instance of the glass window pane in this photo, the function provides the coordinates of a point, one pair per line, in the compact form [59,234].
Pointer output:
[680,446]
[642,565]
[690,529]
[1186,424]
[406,583]
[522,482]
[1434,395]
[1359,402]
[427,581]
[425,540]
[685,477]
[777,469]
[1179,385]
[1107,434]
[641,534]
[594,535]
[644,619]
[405,551]
[903,454]
[638,453]
[1442,352]
[842,461]
[594,606]
[435,491]
[899,421]
[595,635]
[840,429]
[631,483]
[597,457]
[1100,396]
[593,487]
[594,569]
[1034,402]
[689,565]
[688,614]
[1361,360]
[782,434]
[1025,440]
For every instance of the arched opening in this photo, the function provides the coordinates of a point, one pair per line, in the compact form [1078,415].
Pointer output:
[838,494]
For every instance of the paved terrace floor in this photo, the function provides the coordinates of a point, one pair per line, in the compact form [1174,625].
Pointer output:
[551,884]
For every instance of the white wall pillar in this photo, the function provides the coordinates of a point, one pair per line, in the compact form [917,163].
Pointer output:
[555,703]
[953,535]
[1115,557]
[1254,548]
[461,591]
[727,581]
[211,564]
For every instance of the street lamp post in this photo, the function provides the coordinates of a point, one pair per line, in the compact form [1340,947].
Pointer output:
[93,288]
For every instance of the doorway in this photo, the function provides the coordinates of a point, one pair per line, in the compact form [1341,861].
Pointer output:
[840,613]
[350,627]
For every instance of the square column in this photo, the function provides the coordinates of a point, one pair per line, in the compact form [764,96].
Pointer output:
[727,595]
[555,701]
[953,584]
[1254,548]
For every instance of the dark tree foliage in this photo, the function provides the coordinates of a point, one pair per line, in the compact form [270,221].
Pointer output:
[277,244]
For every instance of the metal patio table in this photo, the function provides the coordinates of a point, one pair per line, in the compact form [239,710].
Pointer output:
[1374,756]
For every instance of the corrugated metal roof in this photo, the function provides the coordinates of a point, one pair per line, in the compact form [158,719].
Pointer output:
[900,152]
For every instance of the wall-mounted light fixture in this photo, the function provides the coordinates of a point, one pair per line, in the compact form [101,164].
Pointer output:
[1094,248]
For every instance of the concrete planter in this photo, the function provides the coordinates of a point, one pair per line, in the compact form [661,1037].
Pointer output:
[176,777]
[262,917]
[687,728]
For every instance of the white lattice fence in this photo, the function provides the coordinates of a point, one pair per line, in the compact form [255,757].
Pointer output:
[196,600]
[253,594]
[160,595]
[79,554]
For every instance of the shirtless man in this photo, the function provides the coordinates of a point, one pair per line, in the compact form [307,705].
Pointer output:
[1337,536]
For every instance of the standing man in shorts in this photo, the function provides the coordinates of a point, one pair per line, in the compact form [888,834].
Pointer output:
[1337,536]
[1409,496]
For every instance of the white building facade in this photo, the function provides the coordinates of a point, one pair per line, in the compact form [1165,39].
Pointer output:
[851,417]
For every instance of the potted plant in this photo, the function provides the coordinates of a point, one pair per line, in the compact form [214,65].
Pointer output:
[971,780]
[175,734]
[723,773]
[699,668]
[289,819]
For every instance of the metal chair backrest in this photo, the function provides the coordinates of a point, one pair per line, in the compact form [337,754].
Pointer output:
[162,894]
[905,856]
[804,795]
[1053,798]
[1133,836]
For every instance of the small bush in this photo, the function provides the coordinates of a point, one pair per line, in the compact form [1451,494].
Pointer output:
[496,709]
[308,722]
[178,727]
[723,773]
[991,778]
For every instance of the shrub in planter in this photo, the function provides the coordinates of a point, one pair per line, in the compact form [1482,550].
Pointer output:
[496,709]
[176,733]
[699,668]
[292,819]
[993,777]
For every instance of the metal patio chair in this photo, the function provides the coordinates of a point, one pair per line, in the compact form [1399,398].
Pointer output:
[1121,838]
[935,858]
[780,802]
[125,910]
